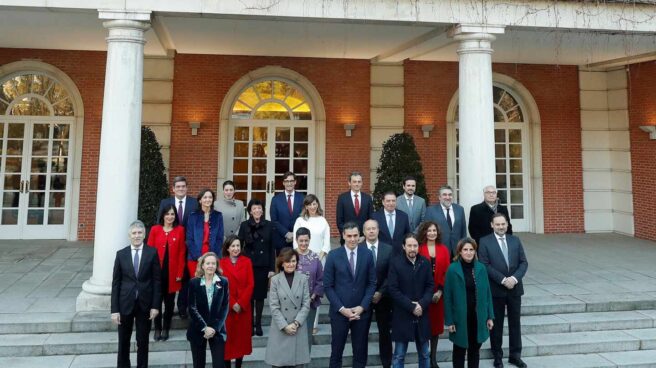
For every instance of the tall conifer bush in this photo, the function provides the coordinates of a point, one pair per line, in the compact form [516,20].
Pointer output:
[398,160]
[153,186]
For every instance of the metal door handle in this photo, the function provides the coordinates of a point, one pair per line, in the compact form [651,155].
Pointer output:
[22,185]
[27,186]
[268,184]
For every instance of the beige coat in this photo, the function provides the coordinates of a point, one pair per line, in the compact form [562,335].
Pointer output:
[288,305]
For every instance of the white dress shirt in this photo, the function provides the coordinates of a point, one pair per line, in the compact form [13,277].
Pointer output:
[453,219]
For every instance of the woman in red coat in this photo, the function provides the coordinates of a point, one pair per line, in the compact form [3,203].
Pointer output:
[168,237]
[238,269]
[431,248]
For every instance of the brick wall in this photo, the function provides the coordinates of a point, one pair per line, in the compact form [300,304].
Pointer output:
[429,86]
[87,70]
[201,82]
[642,111]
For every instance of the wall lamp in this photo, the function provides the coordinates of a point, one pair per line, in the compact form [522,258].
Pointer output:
[651,129]
[348,128]
[194,125]
[427,129]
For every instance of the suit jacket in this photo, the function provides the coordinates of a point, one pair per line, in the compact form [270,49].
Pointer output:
[288,304]
[129,289]
[383,256]
[195,230]
[191,205]
[450,237]
[346,211]
[204,315]
[401,227]
[283,221]
[480,217]
[410,282]
[344,290]
[489,253]
[415,214]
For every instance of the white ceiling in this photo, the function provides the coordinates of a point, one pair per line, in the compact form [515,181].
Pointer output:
[387,42]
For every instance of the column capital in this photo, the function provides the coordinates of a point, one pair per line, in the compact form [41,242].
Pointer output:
[136,15]
[125,26]
[463,29]
[475,38]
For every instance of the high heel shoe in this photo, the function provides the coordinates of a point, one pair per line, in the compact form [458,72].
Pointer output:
[158,335]
[165,335]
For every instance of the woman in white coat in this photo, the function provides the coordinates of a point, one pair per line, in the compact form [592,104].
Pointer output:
[289,301]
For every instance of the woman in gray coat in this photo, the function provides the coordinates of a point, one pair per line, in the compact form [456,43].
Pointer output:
[232,209]
[289,301]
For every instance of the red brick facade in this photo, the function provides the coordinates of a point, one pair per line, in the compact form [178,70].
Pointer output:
[87,70]
[429,87]
[642,111]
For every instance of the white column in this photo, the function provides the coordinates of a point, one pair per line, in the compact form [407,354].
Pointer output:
[476,116]
[118,168]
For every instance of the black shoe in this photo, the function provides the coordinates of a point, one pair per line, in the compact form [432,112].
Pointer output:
[258,331]
[165,335]
[517,362]
[158,335]
[498,363]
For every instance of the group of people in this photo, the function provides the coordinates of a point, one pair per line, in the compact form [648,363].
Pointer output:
[409,267]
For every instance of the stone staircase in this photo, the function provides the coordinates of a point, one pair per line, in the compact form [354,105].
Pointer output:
[592,330]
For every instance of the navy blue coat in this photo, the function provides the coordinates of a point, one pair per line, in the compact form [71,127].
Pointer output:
[191,205]
[204,315]
[407,283]
[339,285]
[401,227]
[450,237]
[283,221]
[195,229]
[346,211]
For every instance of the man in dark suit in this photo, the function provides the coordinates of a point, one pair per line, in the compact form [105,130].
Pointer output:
[382,304]
[285,209]
[184,205]
[136,294]
[413,205]
[393,224]
[503,256]
[354,205]
[480,215]
[450,217]
[349,281]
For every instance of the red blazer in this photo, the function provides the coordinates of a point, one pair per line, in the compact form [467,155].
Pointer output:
[442,263]
[175,239]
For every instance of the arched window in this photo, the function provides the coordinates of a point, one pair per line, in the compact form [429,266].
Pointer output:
[36,95]
[506,107]
[271,100]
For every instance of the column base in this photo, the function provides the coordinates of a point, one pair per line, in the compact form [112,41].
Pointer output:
[93,298]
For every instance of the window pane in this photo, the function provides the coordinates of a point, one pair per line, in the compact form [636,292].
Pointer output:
[259,166]
[515,135]
[12,182]
[37,199]
[240,150]
[501,166]
[264,89]
[259,195]
[260,150]
[41,131]
[282,166]
[13,164]
[240,166]
[15,147]
[55,217]
[515,150]
[301,134]
[35,217]
[241,181]
[499,117]
[60,148]
[61,131]
[507,101]
[57,182]
[258,182]
[39,148]
[302,182]
[56,93]
[16,131]
[281,90]
[499,135]
[501,182]
[59,165]
[10,199]
[515,181]
[295,98]
[37,182]
[9,217]
[283,134]
[516,166]
[282,149]
[503,196]
[2,126]
[241,134]
[39,165]
[260,134]
[249,97]
[300,150]
[500,150]
[241,111]
[273,111]
[30,106]
[517,196]
[515,115]
[300,166]
[516,212]
[57,199]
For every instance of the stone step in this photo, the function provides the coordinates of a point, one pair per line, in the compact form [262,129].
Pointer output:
[537,306]
[179,359]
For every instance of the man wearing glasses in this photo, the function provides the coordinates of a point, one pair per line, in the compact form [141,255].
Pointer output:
[285,209]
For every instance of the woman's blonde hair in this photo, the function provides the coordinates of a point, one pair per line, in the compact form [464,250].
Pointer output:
[201,260]
[309,199]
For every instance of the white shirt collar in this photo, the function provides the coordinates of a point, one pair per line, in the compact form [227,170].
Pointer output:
[369,245]
[140,247]
[214,279]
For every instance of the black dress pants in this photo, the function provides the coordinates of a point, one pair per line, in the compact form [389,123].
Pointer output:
[383,311]
[473,347]
[139,318]
[198,351]
[514,305]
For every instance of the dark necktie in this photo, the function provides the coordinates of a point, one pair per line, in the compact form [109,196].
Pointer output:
[352,263]
[373,250]
[289,204]
[180,213]
[448,218]
[357,205]
[135,262]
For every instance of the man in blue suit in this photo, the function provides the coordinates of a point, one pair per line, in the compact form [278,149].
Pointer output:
[503,256]
[354,205]
[285,209]
[184,205]
[412,204]
[394,225]
[450,217]
[349,281]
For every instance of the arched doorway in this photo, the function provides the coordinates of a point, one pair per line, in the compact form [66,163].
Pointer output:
[38,116]
[274,125]
[517,152]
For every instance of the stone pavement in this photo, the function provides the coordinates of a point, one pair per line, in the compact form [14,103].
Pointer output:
[571,277]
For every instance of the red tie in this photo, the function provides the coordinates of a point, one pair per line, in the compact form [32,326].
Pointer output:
[357,205]
[289,204]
